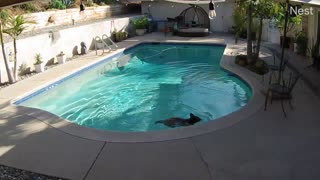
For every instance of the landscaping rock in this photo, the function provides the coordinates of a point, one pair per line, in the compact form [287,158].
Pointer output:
[9,173]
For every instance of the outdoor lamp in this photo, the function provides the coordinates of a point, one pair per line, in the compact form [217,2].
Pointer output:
[212,12]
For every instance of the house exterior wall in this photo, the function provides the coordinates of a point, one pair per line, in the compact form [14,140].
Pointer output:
[312,27]
[160,10]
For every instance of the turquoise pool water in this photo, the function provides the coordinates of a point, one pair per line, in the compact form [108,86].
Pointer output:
[159,81]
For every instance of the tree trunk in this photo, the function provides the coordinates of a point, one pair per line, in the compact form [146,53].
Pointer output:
[259,39]
[15,73]
[249,36]
[10,79]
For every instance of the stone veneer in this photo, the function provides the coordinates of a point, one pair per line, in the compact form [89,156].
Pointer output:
[72,16]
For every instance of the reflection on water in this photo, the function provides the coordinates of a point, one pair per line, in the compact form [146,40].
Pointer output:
[148,83]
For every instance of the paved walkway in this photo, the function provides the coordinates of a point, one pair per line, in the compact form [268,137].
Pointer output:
[263,146]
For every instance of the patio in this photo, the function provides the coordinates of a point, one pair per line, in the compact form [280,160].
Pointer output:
[263,145]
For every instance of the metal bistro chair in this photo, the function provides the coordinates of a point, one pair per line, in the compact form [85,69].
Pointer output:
[282,91]
[274,68]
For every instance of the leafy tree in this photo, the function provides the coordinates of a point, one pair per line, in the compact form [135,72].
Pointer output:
[280,11]
[249,6]
[264,9]
[16,25]
[4,16]
[239,20]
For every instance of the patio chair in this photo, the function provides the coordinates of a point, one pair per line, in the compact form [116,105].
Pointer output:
[282,91]
[274,68]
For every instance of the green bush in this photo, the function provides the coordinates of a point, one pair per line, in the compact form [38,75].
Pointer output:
[90,3]
[67,3]
[28,7]
[120,36]
[140,23]
[103,2]
[57,4]
[260,67]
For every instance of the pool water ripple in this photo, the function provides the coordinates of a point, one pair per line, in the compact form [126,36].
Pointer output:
[159,82]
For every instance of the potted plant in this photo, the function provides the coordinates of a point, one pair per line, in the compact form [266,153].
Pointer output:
[61,58]
[99,44]
[39,65]
[141,24]
[302,43]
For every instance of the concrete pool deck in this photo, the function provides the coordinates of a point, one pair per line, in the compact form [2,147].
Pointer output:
[263,145]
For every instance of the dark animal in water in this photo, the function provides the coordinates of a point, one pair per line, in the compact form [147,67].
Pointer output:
[176,122]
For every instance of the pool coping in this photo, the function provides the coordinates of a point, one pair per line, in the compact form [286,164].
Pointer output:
[227,63]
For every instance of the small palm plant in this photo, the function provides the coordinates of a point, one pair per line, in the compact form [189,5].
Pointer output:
[38,59]
[16,25]
[4,16]
[38,64]
[61,58]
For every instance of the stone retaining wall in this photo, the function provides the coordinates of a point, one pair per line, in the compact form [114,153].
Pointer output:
[72,16]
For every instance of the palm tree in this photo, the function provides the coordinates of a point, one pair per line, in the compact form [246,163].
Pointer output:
[16,25]
[3,20]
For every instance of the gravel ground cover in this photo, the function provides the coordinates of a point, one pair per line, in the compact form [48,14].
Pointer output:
[9,173]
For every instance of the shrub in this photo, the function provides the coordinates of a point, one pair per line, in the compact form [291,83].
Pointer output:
[120,36]
[67,3]
[140,23]
[90,3]
[103,2]
[23,70]
[260,67]
[38,59]
[108,1]
[28,7]
[259,64]
[56,4]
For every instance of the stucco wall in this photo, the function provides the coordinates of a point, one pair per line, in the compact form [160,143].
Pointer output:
[64,40]
[162,10]
[312,27]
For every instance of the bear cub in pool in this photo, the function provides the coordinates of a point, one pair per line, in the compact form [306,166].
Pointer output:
[176,122]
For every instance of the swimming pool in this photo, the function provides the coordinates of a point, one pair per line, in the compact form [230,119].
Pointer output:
[144,84]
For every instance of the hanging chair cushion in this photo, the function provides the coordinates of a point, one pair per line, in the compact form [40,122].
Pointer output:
[193,32]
